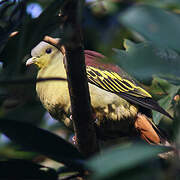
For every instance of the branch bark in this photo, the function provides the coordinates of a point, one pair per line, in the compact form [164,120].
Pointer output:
[77,79]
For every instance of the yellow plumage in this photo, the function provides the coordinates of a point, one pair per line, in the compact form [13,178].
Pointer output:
[114,114]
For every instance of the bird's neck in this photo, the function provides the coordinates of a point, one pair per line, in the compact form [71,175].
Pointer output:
[54,69]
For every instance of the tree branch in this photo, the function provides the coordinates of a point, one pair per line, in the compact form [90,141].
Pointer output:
[77,79]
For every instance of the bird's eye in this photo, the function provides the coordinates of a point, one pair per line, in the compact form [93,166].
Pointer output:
[48,50]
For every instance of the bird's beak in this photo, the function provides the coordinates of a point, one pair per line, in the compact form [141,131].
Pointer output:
[30,61]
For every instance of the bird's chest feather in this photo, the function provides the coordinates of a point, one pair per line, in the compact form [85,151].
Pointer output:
[112,112]
[55,97]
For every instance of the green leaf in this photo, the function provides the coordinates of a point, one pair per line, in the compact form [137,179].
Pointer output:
[159,87]
[165,103]
[171,79]
[163,4]
[119,159]
[143,60]
[164,93]
[43,142]
[13,151]
[154,24]
[31,112]
[176,122]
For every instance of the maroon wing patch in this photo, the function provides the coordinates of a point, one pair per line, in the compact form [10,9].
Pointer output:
[94,59]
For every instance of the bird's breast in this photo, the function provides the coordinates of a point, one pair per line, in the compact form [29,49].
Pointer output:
[112,112]
[54,95]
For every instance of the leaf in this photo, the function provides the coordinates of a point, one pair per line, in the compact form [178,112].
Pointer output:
[119,159]
[43,142]
[13,151]
[32,31]
[47,22]
[176,122]
[154,24]
[163,4]
[23,169]
[165,103]
[31,112]
[164,93]
[159,87]
[15,12]
[171,79]
[143,60]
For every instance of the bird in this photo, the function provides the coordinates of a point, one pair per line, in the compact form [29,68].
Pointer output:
[120,105]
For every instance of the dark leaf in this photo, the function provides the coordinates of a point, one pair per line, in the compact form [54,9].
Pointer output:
[23,169]
[144,60]
[32,31]
[119,159]
[154,24]
[43,142]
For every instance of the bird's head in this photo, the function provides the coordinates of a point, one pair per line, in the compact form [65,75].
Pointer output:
[43,55]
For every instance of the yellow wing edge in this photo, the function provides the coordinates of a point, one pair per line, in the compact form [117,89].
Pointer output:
[113,82]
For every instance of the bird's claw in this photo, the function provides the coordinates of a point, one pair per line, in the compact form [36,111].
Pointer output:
[70,117]
[74,140]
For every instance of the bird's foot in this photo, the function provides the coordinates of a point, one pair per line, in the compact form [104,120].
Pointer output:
[70,117]
[74,140]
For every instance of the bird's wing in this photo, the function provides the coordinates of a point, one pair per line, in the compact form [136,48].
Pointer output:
[112,81]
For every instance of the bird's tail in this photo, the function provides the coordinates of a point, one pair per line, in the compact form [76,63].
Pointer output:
[149,132]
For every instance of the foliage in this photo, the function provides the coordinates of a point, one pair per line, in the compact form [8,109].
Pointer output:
[145,41]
